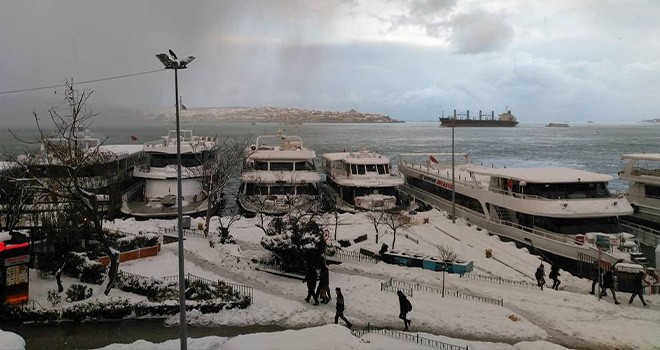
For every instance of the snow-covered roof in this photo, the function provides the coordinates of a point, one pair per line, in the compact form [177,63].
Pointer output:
[543,175]
[642,156]
[362,157]
[260,176]
[120,150]
[278,154]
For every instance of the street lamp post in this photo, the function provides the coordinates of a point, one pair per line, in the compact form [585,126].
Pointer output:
[176,64]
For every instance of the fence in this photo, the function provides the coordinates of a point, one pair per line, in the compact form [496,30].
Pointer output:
[499,280]
[132,255]
[455,294]
[388,287]
[411,238]
[242,290]
[355,256]
[186,232]
[411,338]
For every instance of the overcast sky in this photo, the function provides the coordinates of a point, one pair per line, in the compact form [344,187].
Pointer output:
[547,60]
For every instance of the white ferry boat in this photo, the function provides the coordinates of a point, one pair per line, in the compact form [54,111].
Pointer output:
[155,196]
[279,176]
[643,173]
[559,213]
[361,180]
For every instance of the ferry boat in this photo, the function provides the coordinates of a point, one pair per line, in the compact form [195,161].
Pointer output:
[642,171]
[155,195]
[361,180]
[484,120]
[562,214]
[279,176]
[556,125]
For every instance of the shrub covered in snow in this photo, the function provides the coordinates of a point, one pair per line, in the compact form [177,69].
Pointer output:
[296,241]
[78,265]
[78,292]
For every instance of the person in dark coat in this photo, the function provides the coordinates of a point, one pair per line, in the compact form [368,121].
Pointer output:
[554,276]
[323,290]
[340,308]
[608,283]
[596,279]
[310,278]
[404,308]
[540,275]
[638,285]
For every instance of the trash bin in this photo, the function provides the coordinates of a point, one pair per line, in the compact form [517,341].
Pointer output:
[489,253]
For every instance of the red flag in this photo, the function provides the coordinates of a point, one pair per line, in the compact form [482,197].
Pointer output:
[133,138]
[433,160]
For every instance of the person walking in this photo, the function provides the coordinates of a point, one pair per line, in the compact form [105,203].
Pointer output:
[540,276]
[638,285]
[323,290]
[608,283]
[340,308]
[310,278]
[596,279]
[554,276]
[404,308]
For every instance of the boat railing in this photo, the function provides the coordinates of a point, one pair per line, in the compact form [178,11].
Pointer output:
[516,194]
[646,235]
[553,236]
[644,171]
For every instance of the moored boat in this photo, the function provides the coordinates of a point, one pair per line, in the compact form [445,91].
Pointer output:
[505,119]
[566,215]
[362,180]
[279,176]
[155,195]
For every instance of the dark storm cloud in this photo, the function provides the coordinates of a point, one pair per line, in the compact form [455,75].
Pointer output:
[480,31]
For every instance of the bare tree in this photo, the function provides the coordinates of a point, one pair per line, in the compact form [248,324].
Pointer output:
[232,215]
[14,195]
[396,221]
[64,167]
[224,163]
[376,218]
[446,253]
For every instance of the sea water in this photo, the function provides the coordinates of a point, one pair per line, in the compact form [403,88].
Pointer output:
[591,147]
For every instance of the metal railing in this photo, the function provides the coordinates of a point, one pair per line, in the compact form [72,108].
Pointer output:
[499,280]
[645,234]
[354,256]
[407,337]
[398,285]
[388,287]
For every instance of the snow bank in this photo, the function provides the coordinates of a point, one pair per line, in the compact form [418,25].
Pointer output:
[11,341]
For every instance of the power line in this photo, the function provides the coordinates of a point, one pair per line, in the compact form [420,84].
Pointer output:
[80,82]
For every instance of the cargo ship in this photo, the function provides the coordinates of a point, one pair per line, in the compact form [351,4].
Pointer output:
[482,120]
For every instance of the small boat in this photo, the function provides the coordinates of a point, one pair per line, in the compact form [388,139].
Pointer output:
[362,180]
[556,125]
[154,196]
[279,176]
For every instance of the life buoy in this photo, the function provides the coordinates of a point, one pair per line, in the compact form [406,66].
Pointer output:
[579,239]
[195,198]
[358,201]
[326,235]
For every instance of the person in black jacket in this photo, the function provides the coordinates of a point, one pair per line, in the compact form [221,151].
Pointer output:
[310,278]
[404,307]
[340,308]
[596,279]
[638,284]
[608,283]
[323,290]
[540,276]
[554,276]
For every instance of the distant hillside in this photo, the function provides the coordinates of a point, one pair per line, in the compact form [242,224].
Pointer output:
[656,120]
[270,114]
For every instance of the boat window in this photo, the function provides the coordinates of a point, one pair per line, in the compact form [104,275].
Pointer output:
[382,169]
[160,161]
[652,191]
[360,169]
[261,189]
[576,226]
[371,168]
[353,169]
[300,165]
[444,193]
[282,190]
[261,165]
[569,190]
[275,166]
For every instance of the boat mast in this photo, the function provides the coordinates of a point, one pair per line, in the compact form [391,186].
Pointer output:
[453,180]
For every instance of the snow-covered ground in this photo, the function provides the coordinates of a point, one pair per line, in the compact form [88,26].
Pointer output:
[529,319]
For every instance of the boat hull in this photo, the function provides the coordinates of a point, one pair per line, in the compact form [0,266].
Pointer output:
[476,123]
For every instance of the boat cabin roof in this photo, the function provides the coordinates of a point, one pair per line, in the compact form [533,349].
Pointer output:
[357,157]
[544,175]
[642,156]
